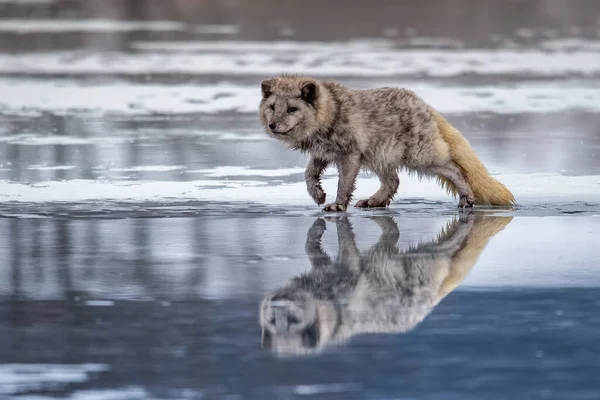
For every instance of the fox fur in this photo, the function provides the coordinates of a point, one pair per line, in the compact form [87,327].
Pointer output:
[381,290]
[379,130]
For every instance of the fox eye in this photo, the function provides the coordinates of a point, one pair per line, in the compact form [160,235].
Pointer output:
[292,110]
[272,106]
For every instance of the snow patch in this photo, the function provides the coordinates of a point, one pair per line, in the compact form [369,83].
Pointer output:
[65,96]
[571,44]
[21,215]
[311,390]
[257,137]
[125,393]
[527,188]
[85,25]
[148,168]
[253,46]
[217,29]
[321,59]
[46,140]
[226,171]
[50,167]
[81,190]
[99,303]
[29,139]
[25,2]
[29,377]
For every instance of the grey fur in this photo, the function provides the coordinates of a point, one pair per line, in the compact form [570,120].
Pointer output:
[379,130]
[381,290]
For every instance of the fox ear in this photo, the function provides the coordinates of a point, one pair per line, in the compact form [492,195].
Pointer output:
[308,93]
[266,87]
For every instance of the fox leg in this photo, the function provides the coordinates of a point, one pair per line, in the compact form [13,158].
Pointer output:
[389,186]
[454,174]
[348,168]
[348,252]
[389,236]
[314,250]
[313,173]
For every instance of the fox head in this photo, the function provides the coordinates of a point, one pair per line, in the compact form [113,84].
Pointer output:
[294,322]
[288,109]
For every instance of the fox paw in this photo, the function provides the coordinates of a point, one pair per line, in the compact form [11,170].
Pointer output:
[371,203]
[318,228]
[317,194]
[464,202]
[334,207]
[335,218]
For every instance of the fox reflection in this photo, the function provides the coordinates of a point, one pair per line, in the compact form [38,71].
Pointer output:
[382,290]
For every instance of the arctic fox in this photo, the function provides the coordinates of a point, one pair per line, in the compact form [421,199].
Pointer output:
[379,130]
[381,290]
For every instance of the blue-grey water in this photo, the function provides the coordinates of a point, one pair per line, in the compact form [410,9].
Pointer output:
[144,215]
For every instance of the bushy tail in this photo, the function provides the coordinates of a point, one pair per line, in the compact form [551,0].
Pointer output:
[487,190]
[484,228]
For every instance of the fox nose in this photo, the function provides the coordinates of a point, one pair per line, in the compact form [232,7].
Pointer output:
[272,126]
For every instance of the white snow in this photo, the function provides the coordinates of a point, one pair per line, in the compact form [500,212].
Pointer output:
[269,58]
[226,171]
[27,1]
[124,393]
[22,377]
[87,25]
[99,303]
[21,215]
[571,44]
[527,188]
[66,96]
[256,137]
[32,139]
[254,46]
[79,190]
[32,25]
[311,390]
[215,29]
[148,168]
[50,167]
